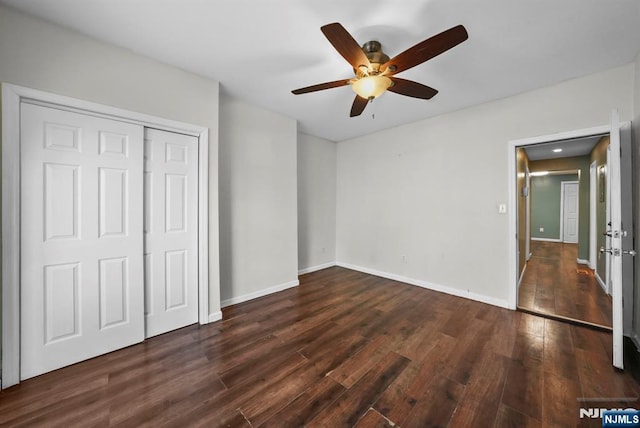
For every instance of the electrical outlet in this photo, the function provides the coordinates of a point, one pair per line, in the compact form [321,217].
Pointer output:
[542,229]
[323,250]
[403,258]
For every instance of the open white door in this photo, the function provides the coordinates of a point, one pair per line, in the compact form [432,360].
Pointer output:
[615,252]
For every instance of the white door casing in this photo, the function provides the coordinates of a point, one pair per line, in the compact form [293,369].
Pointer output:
[527,242]
[170,230]
[570,218]
[81,269]
[593,252]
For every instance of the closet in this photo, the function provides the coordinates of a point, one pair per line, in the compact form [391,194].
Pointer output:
[108,235]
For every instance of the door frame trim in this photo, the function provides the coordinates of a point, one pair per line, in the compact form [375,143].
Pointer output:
[593,177]
[527,242]
[513,145]
[12,97]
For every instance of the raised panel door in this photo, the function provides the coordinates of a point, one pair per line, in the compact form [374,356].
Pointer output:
[171,231]
[82,289]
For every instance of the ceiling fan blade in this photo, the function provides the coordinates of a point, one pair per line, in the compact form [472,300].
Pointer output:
[321,86]
[411,89]
[358,106]
[345,45]
[425,50]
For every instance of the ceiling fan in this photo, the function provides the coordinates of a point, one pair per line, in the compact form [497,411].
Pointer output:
[375,71]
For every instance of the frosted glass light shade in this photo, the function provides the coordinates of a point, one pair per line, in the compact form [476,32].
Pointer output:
[371,86]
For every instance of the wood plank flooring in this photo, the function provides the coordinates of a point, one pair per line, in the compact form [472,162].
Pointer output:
[342,349]
[555,284]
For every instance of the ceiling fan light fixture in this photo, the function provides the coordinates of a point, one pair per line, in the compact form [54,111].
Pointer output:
[369,87]
[375,71]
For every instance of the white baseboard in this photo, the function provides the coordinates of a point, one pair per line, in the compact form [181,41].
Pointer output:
[429,285]
[316,268]
[636,340]
[602,283]
[216,316]
[260,293]
[583,262]
[546,239]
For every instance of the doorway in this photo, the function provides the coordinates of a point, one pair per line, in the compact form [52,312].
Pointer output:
[618,232]
[558,280]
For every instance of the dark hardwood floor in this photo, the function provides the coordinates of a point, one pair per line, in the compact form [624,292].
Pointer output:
[555,284]
[342,349]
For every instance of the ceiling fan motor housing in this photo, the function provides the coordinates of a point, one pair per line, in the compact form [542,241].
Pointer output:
[373,50]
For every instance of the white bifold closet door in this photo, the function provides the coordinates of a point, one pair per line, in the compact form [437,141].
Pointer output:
[170,230]
[82,291]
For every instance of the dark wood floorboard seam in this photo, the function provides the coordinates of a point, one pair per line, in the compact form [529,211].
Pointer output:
[576,322]
[342,349]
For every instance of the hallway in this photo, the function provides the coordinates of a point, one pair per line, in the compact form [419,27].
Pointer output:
[554,283]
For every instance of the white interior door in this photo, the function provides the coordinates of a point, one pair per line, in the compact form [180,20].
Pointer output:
[81,238]
[607,219]
[570,211]
[616,231]
[171,231]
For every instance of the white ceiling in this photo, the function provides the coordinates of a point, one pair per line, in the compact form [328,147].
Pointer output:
[570,148]
[260,50]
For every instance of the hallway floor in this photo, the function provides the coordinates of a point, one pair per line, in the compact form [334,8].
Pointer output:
[554,283]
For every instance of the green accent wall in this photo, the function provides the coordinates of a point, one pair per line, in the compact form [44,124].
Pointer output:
[580,163]
[546,205]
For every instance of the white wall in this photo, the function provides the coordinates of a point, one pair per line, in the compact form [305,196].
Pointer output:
[316,203]
[430,190]
[39,55]
[258,201]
